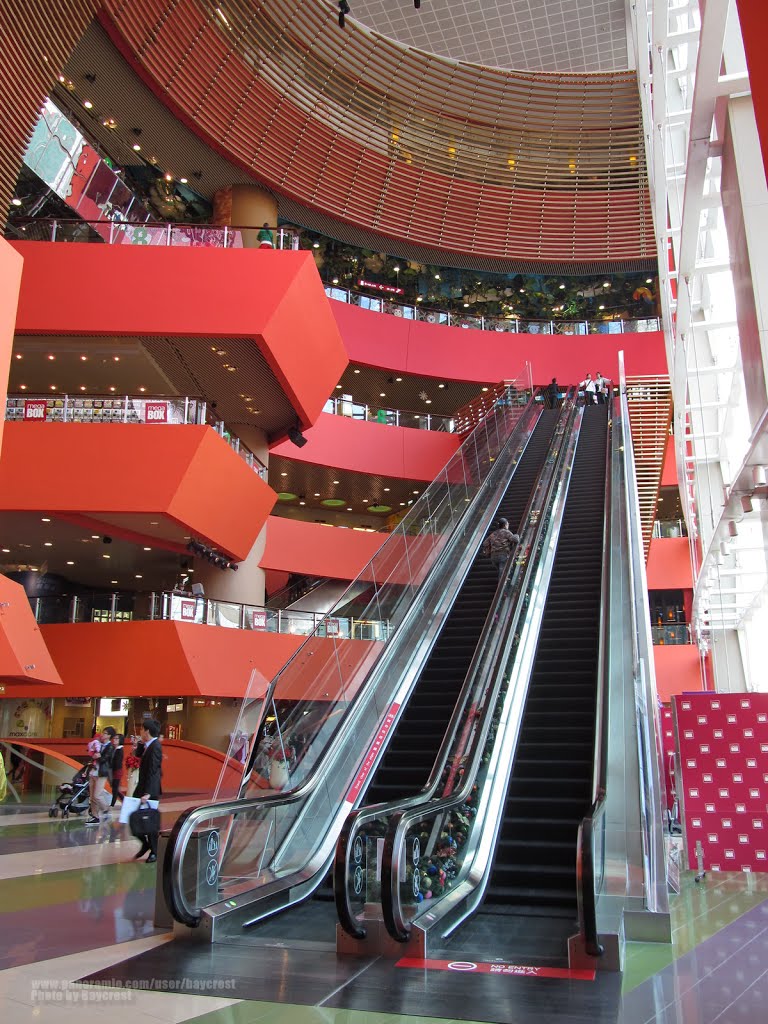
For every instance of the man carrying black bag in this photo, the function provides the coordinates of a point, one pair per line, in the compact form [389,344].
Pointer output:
[145,821]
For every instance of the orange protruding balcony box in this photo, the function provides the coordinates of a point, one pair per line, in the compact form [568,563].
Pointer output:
[274,298]
[24,658]
[669,564]
[678,670]
[124,477]
[361,447]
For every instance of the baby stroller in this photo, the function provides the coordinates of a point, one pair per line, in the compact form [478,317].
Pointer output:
[73,796]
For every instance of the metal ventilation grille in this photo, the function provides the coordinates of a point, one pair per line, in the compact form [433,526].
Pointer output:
[455,156]
[650,413]
[37,37]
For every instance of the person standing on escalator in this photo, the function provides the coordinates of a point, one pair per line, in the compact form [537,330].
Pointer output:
[499,545]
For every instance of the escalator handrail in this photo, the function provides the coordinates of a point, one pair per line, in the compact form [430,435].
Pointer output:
[473,687]
[191,818]
[392,911]
[585,867]
[652,775]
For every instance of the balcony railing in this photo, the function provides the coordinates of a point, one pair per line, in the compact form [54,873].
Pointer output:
[33,408]
[204,235]
[346,406]
[501,325]
[180,606]
[675,633]
[666,528]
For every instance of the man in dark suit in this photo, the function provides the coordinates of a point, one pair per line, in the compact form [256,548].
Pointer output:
[149,785]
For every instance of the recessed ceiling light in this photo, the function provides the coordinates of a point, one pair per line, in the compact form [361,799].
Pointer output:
[365,501]
[142,390]
[335,280]
[83,387]
[47,544]
[317,494]
[415,492]
[349,510]
[183,180]
[18,355]
[16,201]
[398,379]
[53,387]
[113,389]
[386,488]
[441,385]
[45,520]
[22,387]
[138,577]
[382,394]
[105,556]
[649,280]
[485,389]
[335,481]
[147,549]
[87,104]
[428,401]
[302,503]
[116,358]
[338,386]
[136,147]
[153,523]
[70,563]
[562,286]
[601,307]
[466,305]
[606,284]
[356,371]
[51,357]
[94,536]
[113,581]
[402,502]
[83,359]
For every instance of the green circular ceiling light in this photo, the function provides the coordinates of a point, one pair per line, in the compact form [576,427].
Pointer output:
[379,508]
[286,496]
[333,502]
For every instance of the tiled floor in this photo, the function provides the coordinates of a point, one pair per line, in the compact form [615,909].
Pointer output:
[73,903]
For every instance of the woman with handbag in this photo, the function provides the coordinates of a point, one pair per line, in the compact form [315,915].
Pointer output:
[145,821]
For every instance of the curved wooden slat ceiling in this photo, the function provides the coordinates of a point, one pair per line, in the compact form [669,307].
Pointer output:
[454,156]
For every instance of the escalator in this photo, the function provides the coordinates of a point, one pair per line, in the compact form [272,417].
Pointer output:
[412,751]
[533,882]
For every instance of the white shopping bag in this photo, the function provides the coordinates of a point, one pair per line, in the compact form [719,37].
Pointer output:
[131,804]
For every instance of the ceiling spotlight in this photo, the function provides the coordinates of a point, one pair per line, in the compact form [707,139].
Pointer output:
[15,201]
[87,104]
[136,147]
[183,180]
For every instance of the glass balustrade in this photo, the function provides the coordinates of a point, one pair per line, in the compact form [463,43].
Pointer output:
[332,702]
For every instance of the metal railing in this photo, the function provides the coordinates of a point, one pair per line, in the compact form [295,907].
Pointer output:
[346,406]
[666,528]
[501,325]
[674,634]
[153,233]
[58,408]
[180,606]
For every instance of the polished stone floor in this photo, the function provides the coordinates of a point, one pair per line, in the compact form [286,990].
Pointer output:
[74,904]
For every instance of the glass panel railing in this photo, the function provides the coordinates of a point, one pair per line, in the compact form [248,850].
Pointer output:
[590,843]
[457,833]
[650,756]
[359,850]
[329,703]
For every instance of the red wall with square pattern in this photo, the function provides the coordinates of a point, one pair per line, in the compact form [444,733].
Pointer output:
[723,744]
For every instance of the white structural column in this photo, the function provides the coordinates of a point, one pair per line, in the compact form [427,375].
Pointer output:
[710,206]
